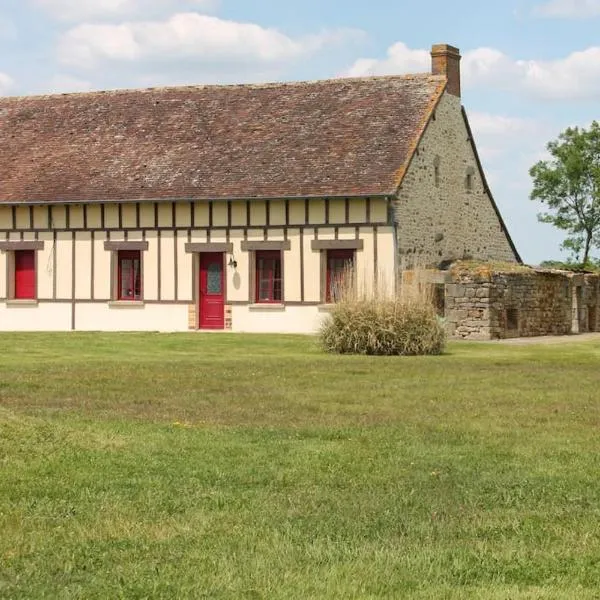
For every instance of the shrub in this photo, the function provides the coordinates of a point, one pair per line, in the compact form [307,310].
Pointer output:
[379,323]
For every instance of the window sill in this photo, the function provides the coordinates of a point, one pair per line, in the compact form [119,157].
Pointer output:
[126,304]
[266,306]
[22,303]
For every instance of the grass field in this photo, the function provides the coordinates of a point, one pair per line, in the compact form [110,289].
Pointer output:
[247,467]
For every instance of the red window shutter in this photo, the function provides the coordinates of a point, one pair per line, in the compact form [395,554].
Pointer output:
[25,274]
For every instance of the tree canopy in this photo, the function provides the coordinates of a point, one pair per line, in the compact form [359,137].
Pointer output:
[568,184]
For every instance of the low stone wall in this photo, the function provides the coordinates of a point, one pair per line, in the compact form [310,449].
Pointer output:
[486,303]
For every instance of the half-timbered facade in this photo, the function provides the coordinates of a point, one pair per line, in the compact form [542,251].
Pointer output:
[232,207]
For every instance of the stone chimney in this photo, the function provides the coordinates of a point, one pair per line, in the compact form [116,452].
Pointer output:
[445,60]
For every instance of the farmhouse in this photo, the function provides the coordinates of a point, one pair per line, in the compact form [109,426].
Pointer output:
[233,207]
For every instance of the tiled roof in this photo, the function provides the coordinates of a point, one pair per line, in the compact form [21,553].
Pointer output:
[339,137]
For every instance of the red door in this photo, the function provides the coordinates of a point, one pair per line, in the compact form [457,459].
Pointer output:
[212,291]
[24,274]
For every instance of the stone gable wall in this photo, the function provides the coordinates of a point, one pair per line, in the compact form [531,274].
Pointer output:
[442,220]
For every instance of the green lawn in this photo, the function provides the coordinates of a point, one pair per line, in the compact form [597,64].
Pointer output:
[247,467]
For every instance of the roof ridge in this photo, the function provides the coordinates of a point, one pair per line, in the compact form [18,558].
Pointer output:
[263,85]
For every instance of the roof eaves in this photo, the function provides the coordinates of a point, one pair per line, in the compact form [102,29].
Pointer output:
[189,199]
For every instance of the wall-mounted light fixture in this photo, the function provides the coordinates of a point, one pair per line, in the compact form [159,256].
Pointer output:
[232,262]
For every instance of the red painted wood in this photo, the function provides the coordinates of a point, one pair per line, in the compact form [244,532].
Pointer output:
[212,291]
[25,274]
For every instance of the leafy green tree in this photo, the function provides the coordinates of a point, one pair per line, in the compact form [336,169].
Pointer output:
[569,185]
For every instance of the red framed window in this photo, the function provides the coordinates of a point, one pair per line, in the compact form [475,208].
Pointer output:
[25,274]
[268,276]
[130,275]
[339,266]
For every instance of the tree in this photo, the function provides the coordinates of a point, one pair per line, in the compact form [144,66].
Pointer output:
[569,185]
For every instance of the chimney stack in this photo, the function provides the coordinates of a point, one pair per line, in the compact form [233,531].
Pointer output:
[445,60]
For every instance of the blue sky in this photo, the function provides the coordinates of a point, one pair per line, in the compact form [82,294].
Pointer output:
[530,67]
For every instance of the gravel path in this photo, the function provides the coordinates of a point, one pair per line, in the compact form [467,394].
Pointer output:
[548,339]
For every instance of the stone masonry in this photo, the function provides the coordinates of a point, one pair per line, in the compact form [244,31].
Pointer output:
[486,303]
[444,211]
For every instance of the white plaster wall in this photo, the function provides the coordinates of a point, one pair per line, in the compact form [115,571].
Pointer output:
[148,317]
[150,268]
[312,270]
[102,274]
[129,215]
[184,268]
[238,279]
[218,236]
[111,215]
[147,215]
[54,316]
[386,255]
[3,269]
[291,266]
[5,217]
[45,267]
[219,214]
[83,260]
[165,214]
[22,217]
[40,217]
[290,319]
[183,215]
[64,265]
[167,269]
[76,216]
[365,262]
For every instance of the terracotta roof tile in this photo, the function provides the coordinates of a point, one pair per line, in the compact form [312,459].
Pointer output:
[337,137]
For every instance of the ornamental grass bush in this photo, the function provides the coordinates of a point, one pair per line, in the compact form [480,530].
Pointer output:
[377,322]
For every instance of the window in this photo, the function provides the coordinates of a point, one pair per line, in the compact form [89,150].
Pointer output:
[130,275]
[268,276]
[24,275]
[512,319]
[339,268]
[469,179]
[127,266]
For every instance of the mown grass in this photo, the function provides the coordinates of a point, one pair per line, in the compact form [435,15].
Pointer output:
[230,466]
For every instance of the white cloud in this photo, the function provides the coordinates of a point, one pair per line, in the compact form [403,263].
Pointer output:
[503,135]
[502,125]
[187,37]
[60,84]
[575,77]
[6,84]
[84,10]
[569,9]
[400,59]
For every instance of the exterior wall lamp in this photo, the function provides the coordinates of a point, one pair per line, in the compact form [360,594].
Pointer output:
[232,262]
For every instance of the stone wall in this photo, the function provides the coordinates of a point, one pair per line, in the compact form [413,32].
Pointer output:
[481,303]
[443,210]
